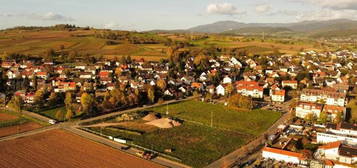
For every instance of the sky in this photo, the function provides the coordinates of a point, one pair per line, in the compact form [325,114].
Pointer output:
[168,14]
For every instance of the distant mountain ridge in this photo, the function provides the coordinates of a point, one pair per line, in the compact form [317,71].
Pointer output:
[305,26]
[329,28]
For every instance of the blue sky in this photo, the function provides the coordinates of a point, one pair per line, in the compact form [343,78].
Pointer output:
[168,14]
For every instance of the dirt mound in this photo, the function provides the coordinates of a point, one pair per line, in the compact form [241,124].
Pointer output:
[164,123]
[150,117]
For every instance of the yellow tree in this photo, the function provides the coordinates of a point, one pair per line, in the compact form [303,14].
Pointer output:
[69,114]
[87,102]
[161,84]
[151,94]
[16,103]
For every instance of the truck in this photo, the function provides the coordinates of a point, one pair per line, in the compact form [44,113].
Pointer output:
[51,121]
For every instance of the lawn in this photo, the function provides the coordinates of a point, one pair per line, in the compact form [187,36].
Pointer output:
[250,122]
[51,113]
[195,145]
[195,142]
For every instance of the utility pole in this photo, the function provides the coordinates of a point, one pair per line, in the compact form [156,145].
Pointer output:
[167,108]
[212,119]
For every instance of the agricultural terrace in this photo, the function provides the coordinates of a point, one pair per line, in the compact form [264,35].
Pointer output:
[194,142]
[12,123]
[58,148]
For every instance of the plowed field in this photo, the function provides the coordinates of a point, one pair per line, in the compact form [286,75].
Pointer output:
[59,149]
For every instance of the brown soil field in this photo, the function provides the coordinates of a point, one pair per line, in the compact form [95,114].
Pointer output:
[58,149]
[135,125]
[5,117]
[18,129]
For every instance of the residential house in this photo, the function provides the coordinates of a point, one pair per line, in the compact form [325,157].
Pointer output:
[338,152]
[278,96]
[283,155]
[332,111]
[293,84]
[250,88]
[323,96]
[220,90]
[303,109]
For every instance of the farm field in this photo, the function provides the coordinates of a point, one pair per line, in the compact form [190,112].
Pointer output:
[37,43]
[12,123]
[256,46]
[57,148]
[194,142]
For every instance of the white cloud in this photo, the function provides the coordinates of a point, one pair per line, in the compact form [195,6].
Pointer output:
[111,25]
[327,14]
[50,16]
[333,4]
[54,16]
[223,9]
[264,8]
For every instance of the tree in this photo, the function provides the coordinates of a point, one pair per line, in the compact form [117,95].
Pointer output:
[309,117]
[161,84]
[16,103]
[240,101]
[59,115]
[151,94]
[87,102]
[52,100]
[39,96]
[323,117]
[69,114]
[68,100]
[229,89]
[338,118]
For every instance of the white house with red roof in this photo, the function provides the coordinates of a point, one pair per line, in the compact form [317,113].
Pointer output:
[293,84]
[332,111]
[250,88]
[338,153]
[283,155]
[306,108]
[42,75]
[278,95]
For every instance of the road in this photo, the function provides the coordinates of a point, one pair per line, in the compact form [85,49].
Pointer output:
[73,127]
[232,157]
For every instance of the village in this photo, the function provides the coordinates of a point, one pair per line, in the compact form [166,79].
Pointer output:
[320,132]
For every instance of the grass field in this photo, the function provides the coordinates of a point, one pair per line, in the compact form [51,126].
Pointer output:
[51,113]
[195,142]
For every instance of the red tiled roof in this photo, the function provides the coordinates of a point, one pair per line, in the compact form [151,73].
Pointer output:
[329,163]
[289,82]
[279,92]
[333,109]
[284,152]
[331,145]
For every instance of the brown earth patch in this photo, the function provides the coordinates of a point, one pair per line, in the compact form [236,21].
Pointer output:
[57,149]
